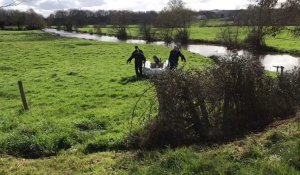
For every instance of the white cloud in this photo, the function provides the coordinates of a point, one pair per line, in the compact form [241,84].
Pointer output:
[217,4]
[47,6]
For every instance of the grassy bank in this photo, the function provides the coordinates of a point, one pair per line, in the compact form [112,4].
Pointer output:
[275,152]
[81,93]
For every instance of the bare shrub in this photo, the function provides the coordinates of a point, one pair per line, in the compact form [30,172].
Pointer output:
[182,36]
[225,102]
[229,36]
[256,39]
[120,22]
[175,16]
[250,99]
[98,29]
[167,34]
[147,32]
[173,125]
[121,33]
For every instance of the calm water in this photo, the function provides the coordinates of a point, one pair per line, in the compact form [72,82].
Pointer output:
[268,60]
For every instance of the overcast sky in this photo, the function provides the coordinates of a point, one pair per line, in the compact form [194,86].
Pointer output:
[46,7]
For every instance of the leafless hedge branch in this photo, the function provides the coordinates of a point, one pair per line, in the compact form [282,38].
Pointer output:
[225,102]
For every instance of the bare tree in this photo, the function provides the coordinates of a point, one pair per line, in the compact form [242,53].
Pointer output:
[120,21]
[262,20]
[13,3]
[174,5]
[175,18]
[229,36]
[146,26]
[291,13]
[34,21]
[29,19]
[2,18]
[269,18]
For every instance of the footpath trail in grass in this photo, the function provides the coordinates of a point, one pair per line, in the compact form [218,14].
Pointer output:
[81,93]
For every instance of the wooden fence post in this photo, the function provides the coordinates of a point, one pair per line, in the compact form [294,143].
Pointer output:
[23,97]
[282,68]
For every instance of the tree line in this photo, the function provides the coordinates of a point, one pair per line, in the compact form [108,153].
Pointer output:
[21,20]
[172,23]
[174,19]
[76,18]
[262,19]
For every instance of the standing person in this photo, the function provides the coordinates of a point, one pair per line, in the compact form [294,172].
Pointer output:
[174,56]
[156,61]
[139,60]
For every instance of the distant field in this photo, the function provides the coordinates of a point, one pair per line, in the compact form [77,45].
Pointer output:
[211,23]
[80,92]
[284,41]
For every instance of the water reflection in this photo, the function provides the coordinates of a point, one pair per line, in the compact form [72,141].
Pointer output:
[207,50]
[287,61]
[269,60]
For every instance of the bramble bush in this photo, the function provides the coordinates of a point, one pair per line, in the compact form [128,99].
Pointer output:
[222,103]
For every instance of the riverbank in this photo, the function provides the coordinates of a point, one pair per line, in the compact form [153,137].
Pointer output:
[282,43]
[268,60]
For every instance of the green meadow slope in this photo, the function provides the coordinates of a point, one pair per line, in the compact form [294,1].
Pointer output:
[81,94]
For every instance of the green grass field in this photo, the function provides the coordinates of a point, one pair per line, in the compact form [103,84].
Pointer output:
[211,23]
[81,94]
[283,42]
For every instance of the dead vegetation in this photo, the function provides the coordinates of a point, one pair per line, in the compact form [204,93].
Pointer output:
[222,103]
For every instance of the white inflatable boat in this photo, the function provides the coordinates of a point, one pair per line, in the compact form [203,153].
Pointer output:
[152,69]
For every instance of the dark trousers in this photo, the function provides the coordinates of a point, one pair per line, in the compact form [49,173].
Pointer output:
[173,65]
[139,70]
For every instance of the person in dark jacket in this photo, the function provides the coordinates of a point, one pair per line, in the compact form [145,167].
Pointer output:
[156,61]
[174,57]
[139,60]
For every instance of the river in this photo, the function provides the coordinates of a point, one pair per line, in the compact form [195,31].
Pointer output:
[268,60]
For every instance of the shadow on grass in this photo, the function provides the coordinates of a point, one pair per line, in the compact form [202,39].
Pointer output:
[131,79]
